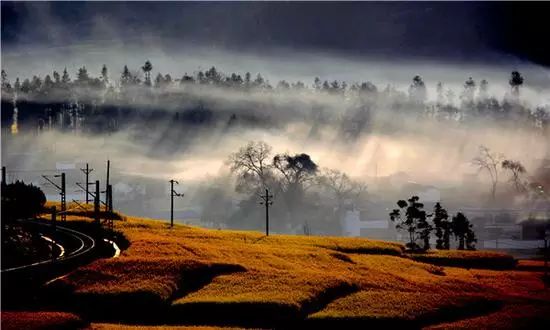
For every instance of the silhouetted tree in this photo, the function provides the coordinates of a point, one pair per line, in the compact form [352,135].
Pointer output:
[252,166]
[125,77]
[82,77]
[159,80]
[36,84]
[488,161]
[147,68]
[26,86]
[296,173]
[17,85]
[48,83]
[259,81]
[516,80]
[413,221]
[21,201]
[442,227]
[417,90]
[213,76]
[56,78]
[462,230]
[65,79]
[295,170]
[187,79]
[468,93]
[104,75]
[283,85]
[517,170]
[317,83]
[341,186]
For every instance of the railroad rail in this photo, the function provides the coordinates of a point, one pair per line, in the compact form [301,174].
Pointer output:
[84,245]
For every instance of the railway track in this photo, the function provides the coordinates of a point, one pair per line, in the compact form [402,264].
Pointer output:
[72,243]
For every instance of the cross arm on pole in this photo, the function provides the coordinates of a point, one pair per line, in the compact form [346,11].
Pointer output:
[50,181]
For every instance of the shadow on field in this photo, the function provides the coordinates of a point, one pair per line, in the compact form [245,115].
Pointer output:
[195,279]
[256,314]
[442,315]
[138,306]
[496,263]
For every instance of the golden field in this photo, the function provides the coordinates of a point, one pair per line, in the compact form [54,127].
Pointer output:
[194,276]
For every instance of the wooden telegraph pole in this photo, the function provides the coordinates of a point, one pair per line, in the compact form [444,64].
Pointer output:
[267,200]
[172,194]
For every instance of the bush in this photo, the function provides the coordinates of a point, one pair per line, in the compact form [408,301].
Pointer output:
[21,201]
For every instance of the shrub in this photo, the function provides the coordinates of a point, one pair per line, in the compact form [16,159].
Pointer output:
[21,201]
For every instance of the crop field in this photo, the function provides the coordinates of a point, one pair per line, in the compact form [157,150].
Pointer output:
[194,276]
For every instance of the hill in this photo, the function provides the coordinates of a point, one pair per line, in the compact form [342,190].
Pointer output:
[194,276]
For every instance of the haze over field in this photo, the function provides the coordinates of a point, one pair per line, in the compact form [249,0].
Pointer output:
[373,128]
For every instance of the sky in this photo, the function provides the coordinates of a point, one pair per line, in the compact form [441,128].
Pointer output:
[450,31]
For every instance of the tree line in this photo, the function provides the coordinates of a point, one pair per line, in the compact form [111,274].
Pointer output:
[473,101]
[419,225]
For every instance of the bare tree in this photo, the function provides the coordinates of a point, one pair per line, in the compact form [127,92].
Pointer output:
[252,165]
[517,170]
[488,161]
[341,185]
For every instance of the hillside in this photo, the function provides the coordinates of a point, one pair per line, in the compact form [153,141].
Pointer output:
[193,276]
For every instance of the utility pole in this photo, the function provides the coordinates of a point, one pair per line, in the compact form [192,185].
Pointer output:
[87,171]
[4,183]
[54,218]
[110,198]
[96,204]
[267,200]
[172,194]
[54,214]
[107,182]
[62,193]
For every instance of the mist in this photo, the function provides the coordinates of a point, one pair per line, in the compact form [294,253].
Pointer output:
[378,138]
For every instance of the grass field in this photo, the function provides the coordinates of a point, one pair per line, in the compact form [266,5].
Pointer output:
[189,275]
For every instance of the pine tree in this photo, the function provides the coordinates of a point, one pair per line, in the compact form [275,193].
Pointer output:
[442,227]
[125,77]
[462,229]
[82,77]
[65,79]
[56,78]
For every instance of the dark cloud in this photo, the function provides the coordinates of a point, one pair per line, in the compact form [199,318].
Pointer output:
[449,31]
